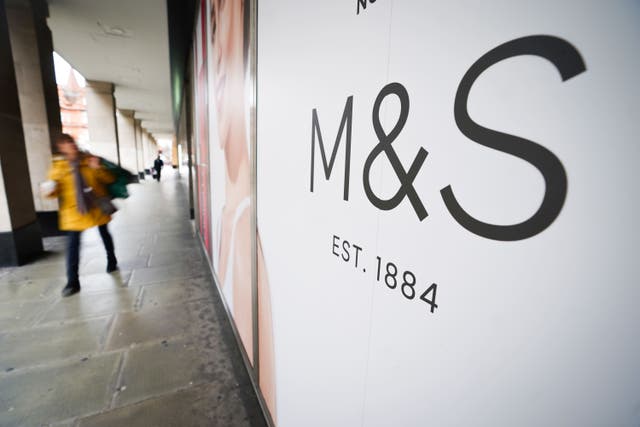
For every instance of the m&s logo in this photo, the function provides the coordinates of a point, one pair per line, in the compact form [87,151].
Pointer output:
[363,4]
[569,64]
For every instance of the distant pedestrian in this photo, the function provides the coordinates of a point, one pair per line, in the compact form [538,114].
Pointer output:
[157,166]
[79,182]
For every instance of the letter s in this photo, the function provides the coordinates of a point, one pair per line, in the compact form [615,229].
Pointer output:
[569,63]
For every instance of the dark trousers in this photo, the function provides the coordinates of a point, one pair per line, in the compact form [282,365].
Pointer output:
[158,171]
[73,251]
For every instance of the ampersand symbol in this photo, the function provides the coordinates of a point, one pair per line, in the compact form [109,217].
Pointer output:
[406,178]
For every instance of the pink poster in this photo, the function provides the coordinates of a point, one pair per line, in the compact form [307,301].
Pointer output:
[201,98]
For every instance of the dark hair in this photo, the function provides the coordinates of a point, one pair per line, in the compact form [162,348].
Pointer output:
[64,138]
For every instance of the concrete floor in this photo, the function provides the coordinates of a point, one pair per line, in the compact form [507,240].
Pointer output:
[148,346]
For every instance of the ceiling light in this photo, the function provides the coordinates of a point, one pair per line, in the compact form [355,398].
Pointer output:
[114,30]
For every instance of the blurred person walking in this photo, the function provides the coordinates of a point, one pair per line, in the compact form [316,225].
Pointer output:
[79,182]
[157,166]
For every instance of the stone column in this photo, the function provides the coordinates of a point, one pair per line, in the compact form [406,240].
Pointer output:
[150,151]
[127,139]
[146,149]
[174,152]
[103,131]
[33,105]
[45,51]
[20,237]
[139,148]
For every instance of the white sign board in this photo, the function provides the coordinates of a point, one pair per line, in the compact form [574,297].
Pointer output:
[447,203]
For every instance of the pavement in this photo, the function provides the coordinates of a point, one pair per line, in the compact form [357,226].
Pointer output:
[147,346]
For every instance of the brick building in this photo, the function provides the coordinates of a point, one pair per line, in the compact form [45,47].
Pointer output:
[73,109]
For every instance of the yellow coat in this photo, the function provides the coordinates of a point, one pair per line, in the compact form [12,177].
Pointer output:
[69,217]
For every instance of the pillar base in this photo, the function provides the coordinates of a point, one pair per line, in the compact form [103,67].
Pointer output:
[20,246]
[48,221]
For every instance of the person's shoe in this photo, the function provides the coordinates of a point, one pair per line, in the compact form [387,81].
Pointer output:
[70,289]
[112,266]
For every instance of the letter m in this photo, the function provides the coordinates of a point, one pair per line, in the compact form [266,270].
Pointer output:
[328,166]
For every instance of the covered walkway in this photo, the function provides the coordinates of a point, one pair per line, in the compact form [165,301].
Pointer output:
[148,346]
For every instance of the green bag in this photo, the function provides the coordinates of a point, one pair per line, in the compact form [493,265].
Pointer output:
[118,189]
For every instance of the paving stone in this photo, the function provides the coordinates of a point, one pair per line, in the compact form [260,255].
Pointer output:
[16,314]
[167,293]
[173,239]
[45,375]
[70,423]
[33,289]
[202,406]
[123,239]
[50,256]
[184,246]
[41,345]
[99,265]
[196,266]
[88,304]
[102,282]
[36,271]
[213,333]
[175,257]
[55,244]
[237,407]
[180,362]
[50,288]
[96,253]
[149,325]
[183,231]
[51,394]
[162,274]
